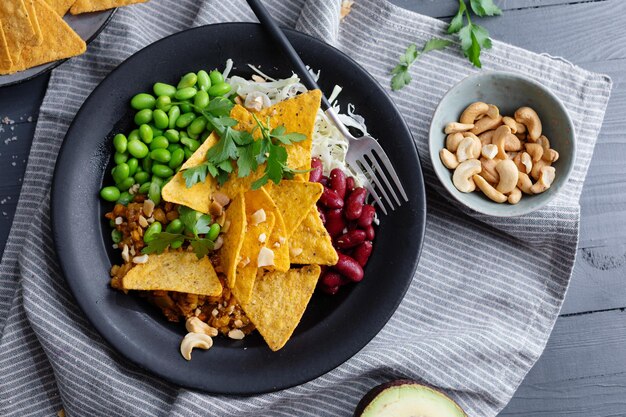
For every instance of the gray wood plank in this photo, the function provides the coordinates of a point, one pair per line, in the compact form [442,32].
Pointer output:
[582,372]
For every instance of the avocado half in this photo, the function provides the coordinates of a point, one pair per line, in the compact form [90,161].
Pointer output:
[406,398]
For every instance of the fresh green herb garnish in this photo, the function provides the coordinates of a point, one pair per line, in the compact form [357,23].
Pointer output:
[401,76]
[473,37]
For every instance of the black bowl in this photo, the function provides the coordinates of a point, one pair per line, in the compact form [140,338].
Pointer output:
[333,329]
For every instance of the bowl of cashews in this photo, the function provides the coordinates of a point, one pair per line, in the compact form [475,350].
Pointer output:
[502,144]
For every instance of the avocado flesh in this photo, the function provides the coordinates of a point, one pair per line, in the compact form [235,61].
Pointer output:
[411,400]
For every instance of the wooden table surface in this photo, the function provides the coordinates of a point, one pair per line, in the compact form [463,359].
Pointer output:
[583,369]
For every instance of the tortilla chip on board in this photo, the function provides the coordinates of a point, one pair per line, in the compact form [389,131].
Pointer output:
[248,267]
[233,238]
[312,243]
[34,21]
[17,27]
[5,58]
[278,302]
[85,6]
[174,271]
[60,6]
[294,199]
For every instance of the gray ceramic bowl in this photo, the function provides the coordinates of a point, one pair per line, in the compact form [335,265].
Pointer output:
[509,92]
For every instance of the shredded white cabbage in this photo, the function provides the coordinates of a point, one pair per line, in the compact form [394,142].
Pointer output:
[328,143]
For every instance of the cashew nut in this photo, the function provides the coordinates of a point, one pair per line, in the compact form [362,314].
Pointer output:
[526,161]
[551,155]
[511,123]
[448,159]
[469,148]
[486,123]
[488,190]
[194,340]
[489,151]
[470,135]
[509,175]
[462,177]
[195,325]
[512,143]
[546,178]
[499,139]
[515,196]
[493,112]
[535,151]
[524,183]
[489,170]
[455,127]
[486,137]
[535,172]
[453,140]
[530,119]
[471,112]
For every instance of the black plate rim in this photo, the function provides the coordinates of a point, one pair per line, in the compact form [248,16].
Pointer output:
[107,332]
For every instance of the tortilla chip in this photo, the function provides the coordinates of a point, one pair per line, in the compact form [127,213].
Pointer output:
[60,6]
[5,58]
[17,27]
[313,242]
[59,40]
[278,302]
[233,238]
[34,21]
[277,241]
[85,6]
[294,200]
[248,267]
[174,271]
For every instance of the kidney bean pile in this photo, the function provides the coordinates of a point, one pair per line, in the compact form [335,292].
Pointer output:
[349,221]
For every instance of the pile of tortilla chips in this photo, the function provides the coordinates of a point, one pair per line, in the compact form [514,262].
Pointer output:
[32,32]
[275,242]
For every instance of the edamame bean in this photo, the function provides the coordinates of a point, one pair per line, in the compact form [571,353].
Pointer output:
[138,149]
[143,116]
[185,120]
[162,89]
[173,146]
[162,171]
[176,158]
[146,164]
[133,164]
[110,193]
[145,187]
[173,115]
[154,193]
[120,172]
[142,101]
[188,153]
[157,180]
[151,232]
[120,158]
[142,177]
[160,142]
[172,135]
[183,134]
[175,226]
[214,231]
[155,131]
[201,99]
[219,89]
[216,77]
[197,126]
[126,184]
[160,119]
[134,134]
[120,142]
[145,133]
[160,155]
[164,103]
[185,107]
[185,93]
[116,236]
[191,144]
[125,198]
[187,80]
[204,81]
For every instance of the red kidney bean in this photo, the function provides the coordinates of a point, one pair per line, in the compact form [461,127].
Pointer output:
[354,203]
[335,222]
[362,252]
[350,239]
[330,290]
[338,182]
[315,175]
[369,232]
[352,226]
[367,216]
[332,279]
[349,185]
[322,215]
[324,181]
[349,268]
[331,199]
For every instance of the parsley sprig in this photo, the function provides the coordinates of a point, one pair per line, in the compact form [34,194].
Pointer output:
[401,76]
[473,37]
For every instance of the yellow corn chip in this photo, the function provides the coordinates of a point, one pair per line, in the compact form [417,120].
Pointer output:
[32,16]
[248,266]
[85,6]
[278,302]
[60,6]
[174,271]
[311,243]
[5,58]
[59,40]
[277,241]
[233,238]
[17,27]
[294,200]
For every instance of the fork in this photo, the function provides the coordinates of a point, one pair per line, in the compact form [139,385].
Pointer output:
[365,155]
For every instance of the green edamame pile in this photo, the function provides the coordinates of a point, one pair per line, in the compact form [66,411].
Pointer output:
[169,129]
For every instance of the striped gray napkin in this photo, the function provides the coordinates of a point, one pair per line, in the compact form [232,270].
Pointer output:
[482,303]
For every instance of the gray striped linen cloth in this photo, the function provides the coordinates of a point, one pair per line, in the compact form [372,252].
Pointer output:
[482,303]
